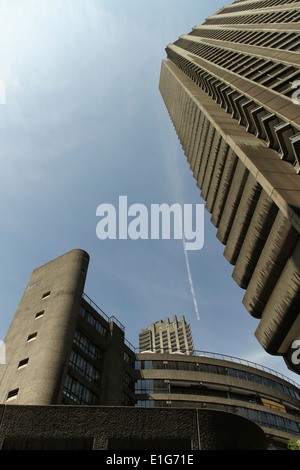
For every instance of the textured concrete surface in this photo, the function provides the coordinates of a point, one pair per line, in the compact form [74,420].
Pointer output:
[229,164]
[104,428]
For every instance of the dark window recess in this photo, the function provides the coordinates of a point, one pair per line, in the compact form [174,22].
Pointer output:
[12,393]
[24,362]
[32,336]
[46,295]
[40,314]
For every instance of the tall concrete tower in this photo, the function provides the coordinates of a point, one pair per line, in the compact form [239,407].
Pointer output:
[167,337]
[231,89]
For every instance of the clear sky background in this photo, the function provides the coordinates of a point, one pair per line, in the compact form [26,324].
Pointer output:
[84,123]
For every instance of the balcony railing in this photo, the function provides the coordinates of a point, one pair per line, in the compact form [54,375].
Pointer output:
[102,313]
[225,357]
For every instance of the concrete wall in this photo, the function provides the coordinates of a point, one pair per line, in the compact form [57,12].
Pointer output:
[125,428]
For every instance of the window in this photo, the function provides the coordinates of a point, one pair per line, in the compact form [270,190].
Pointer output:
[96,324]
[40,314]
[12,394]
[84,368]
[23,363]
[87,346]
[93,321]
[129,360]
[78,392]
[31,337]
[44,296]
[144,386]
[82,311]
[148,403]
[128,380]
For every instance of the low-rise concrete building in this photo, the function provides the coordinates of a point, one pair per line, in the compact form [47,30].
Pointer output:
[216,382]
[64,353]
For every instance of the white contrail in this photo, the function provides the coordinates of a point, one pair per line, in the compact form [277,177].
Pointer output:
[176,183]
[190,277]
[187,259]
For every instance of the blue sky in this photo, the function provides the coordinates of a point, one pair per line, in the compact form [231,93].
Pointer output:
[84,123]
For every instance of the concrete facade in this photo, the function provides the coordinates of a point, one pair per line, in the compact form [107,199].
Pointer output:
[211,381]
[60,347]
[228,88]
[118,428]
[42,330]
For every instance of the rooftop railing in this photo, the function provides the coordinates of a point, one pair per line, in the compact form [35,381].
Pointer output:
[102,313]
[223,357]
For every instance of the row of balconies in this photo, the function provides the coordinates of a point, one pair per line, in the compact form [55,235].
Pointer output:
[278,134]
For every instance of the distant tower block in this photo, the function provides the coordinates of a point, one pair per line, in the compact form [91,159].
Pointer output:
[167,337]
